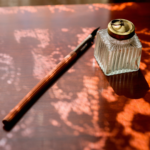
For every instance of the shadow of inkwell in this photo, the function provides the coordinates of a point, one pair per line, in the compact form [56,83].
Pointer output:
[132,85]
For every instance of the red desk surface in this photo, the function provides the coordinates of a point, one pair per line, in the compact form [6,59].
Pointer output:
[84,109]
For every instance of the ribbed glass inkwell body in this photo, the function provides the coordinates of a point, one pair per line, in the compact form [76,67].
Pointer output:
[118,49]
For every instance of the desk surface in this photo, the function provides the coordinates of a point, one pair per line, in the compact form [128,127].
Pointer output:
[84,109]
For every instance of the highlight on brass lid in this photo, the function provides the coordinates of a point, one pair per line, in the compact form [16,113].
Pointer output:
[121,29]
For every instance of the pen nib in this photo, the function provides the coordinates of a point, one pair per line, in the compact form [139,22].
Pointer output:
[94,32]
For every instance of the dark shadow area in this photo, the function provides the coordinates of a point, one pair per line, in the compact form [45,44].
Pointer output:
[141,123]
[10,125]
[131,85]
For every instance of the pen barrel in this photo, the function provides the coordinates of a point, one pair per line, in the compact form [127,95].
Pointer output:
[42,84]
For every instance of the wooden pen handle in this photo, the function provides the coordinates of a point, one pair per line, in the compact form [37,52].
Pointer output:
[43,83]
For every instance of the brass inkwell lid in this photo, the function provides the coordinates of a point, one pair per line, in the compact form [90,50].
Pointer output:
[121,29]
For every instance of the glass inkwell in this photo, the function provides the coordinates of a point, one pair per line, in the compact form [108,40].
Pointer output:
[118,49]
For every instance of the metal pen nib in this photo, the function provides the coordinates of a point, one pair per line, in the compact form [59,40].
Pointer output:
[86,41]
[94,32]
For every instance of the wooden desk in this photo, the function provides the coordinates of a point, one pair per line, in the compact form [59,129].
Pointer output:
[84,109]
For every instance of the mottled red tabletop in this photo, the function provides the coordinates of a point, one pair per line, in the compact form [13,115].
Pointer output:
[84,109]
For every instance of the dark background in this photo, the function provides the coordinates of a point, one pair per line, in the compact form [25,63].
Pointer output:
[55,2]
